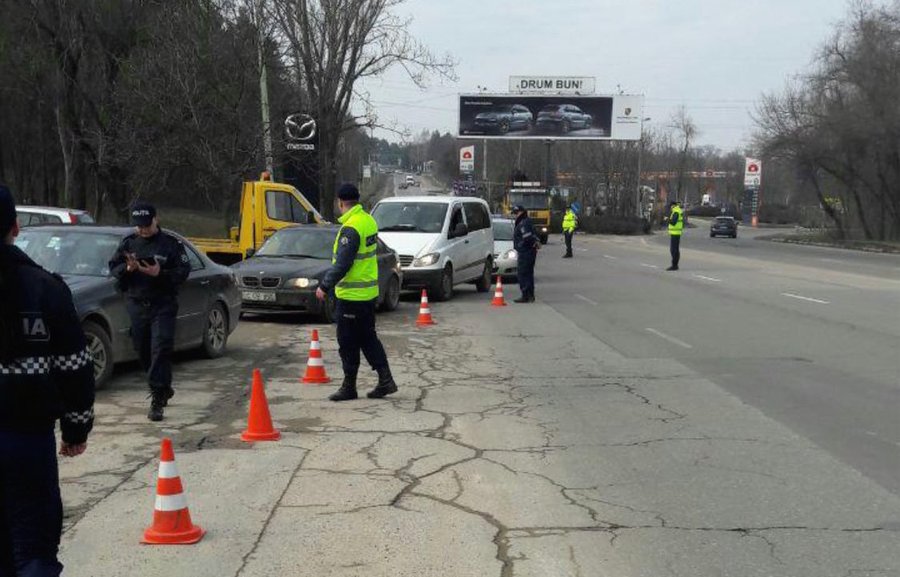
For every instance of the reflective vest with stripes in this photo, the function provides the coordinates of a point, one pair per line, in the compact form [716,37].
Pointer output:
[361,281]
[569,221]
[675,229]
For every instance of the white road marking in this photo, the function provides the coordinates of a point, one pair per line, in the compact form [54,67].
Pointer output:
[669,338]
[643,264]
[587,300]
[807,299]
[709,278]
[610,257]
[419,342]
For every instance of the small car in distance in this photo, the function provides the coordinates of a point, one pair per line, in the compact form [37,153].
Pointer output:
[282,277]
[33,215]
[562,118]
[723,226]
[504,119]
[506,259]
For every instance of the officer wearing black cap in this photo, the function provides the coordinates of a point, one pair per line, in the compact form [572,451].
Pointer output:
[150,266]
[354,278]
[526,243]
[46,373]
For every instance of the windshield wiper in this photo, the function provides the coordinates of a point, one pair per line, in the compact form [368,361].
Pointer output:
[398,227]
[303,256]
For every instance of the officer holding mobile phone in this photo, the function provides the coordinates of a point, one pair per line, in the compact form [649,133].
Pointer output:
[150,265]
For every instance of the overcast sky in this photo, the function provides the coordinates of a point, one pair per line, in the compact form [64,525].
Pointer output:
[714,56]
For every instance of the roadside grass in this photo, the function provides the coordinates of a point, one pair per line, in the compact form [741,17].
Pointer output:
[825,238]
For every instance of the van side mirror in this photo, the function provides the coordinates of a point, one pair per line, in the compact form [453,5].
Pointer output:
[250,252]
[460,230]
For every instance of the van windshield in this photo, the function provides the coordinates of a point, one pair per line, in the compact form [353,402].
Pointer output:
[410,217]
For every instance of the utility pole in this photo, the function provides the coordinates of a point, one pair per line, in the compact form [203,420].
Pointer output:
[264,92]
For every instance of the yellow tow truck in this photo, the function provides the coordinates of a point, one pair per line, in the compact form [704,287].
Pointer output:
[536,201]
[266,207]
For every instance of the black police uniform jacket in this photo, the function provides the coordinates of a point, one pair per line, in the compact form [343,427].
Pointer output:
[46,371]
[525,240]
[168,251]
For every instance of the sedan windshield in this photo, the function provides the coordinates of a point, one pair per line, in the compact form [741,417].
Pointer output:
[300,243]
[70,252]
[410,217]
[503,229]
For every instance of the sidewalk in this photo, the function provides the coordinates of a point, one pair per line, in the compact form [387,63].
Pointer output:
[518,445]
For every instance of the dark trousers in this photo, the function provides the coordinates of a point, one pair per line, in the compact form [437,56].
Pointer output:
[30,505]
[355,333]
[525,272]
[153,335]
[569,235]
[675,249]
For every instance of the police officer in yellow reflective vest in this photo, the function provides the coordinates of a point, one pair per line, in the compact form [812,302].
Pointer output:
[568,225]
[676,226]
[354,278]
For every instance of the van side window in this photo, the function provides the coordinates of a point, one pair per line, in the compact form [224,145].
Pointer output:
[477,216]
[285,207]
[457,218]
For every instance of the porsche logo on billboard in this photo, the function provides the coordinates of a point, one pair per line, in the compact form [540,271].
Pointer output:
[539,117]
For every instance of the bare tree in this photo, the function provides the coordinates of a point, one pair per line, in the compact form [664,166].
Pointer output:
[338,43]
[686,132]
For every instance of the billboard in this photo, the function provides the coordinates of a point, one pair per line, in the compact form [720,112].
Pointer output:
[752,172]
[541,117]
[552,84]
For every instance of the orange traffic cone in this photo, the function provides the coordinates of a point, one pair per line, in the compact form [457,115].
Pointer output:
[315,366]
[424,319]
[259,423]
[171,519]
[498,294]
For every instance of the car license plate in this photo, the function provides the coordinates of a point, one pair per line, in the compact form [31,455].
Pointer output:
[258,296]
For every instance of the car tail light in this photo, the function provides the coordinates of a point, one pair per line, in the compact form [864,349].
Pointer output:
[72,218]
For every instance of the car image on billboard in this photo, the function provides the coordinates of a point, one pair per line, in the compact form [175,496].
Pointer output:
[538,117]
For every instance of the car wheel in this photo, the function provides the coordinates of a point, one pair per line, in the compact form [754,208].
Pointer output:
[392,297]
[564,128]
[734,235]
[588,123]
[215,332]
[504,127]
[99,346]
[711,235]
[444,290]
[483,284]
[329,309]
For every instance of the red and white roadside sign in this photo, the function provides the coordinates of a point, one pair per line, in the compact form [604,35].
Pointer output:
[467,159]
[752,173]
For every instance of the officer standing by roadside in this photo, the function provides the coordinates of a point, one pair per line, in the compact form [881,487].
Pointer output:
[676,226]
[46,373]
[526,243]
[354,278]
[150,266]
[570,222]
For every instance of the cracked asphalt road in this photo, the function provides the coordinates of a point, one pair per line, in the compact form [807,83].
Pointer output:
[518,445]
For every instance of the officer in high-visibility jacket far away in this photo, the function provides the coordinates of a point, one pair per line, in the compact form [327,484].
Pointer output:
[569,223]
[354,278]
[676,226]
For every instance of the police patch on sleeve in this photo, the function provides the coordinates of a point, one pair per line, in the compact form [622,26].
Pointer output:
[345,240]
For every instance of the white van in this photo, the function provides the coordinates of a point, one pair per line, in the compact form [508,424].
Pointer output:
[442,241]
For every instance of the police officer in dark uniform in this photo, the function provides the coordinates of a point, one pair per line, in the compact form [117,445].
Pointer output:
[46,373]
[526,243]
[150,266]
[354,278]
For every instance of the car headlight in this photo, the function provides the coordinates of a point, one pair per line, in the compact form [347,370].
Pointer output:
[427,260]
[543,229]
[302,283]
[511,254]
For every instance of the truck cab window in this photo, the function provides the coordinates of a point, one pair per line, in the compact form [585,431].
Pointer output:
[285,207]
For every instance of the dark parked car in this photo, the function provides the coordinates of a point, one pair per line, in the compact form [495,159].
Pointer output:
[562,118]
[505,118]
[209,301]
[284,275]
[723,225]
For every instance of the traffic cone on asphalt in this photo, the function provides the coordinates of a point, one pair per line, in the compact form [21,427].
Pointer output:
[259,422]
[424,319]
[498,294]
[171,518]
[315,366]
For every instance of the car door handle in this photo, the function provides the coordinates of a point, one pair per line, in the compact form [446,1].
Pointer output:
[204,282]
[467,242]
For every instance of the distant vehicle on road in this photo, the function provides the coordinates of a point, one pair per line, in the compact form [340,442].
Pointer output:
[282,277]
[504,119]
[209,303]
[32,215]
[506,259]
[723,226]
[561,118]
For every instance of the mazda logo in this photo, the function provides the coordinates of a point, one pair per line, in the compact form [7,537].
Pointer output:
[300,127]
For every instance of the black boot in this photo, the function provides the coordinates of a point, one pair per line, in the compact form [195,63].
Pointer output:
[386,385]
[167,394]
[156,407]
[522,299]
[347,392]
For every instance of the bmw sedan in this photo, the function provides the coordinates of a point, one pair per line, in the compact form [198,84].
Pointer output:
[209,303]
[723,226]
[282,277]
